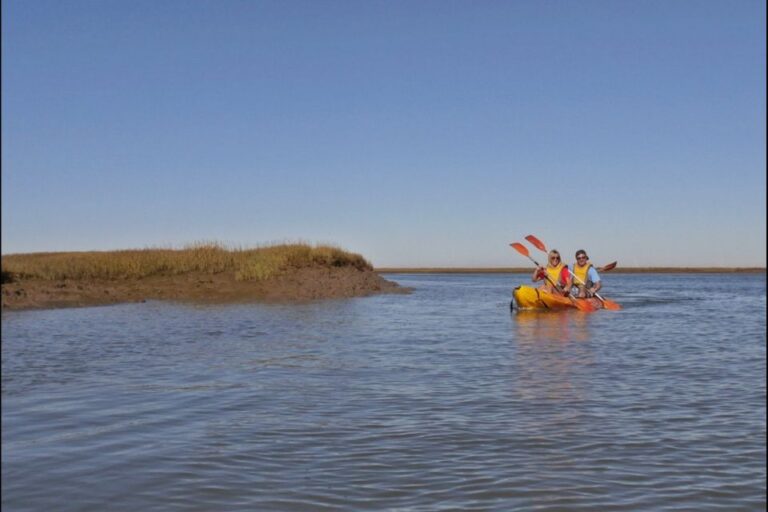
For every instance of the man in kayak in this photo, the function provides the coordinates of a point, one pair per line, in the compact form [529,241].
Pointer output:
[559,281]
[585,276]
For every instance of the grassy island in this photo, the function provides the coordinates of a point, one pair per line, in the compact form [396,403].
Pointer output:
[199,272]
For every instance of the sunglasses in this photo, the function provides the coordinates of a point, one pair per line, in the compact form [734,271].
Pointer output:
[581,257]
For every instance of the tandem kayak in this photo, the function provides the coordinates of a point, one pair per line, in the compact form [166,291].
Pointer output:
[527,297]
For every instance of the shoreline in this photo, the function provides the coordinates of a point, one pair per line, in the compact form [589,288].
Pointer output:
[299,285]
[528,270]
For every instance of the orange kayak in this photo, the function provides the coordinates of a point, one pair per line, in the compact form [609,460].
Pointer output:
[527,297]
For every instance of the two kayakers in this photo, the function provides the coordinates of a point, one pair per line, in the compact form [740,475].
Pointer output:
[585,276]
[555,276]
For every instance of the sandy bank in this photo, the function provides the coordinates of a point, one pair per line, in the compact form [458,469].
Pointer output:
[299,285]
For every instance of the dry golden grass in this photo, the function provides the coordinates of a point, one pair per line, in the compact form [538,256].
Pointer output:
[210,258]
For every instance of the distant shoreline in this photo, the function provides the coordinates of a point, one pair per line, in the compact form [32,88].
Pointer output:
[617,270]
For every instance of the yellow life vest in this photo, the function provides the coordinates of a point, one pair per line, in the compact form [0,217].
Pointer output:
[554,273]
[581,272]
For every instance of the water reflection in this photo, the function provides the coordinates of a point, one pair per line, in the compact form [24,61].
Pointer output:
[537,326]
[551,359]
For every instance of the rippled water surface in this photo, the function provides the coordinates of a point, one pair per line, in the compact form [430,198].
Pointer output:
[439,400]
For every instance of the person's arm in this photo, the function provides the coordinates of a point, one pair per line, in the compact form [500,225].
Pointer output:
[538,274]
[596,282]
[568,277]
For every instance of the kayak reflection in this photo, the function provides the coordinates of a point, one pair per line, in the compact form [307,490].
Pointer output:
[551,364]
[534,326]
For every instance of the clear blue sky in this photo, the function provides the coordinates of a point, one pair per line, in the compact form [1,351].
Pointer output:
[417,133]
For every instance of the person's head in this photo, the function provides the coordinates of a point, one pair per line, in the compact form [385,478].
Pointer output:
[581,256]
[554,257]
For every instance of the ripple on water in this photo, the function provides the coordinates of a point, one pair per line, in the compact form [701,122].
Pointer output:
[438,400]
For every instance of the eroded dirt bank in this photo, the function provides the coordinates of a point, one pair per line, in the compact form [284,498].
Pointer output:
[299,285]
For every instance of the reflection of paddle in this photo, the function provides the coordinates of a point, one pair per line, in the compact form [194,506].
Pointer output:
[608,304]
[582,305]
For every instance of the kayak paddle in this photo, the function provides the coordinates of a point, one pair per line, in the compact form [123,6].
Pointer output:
[582,305]
[608,304]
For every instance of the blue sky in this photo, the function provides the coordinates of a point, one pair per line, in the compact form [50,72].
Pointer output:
[428,133]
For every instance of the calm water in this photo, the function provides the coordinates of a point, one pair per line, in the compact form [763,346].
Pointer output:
[439,400]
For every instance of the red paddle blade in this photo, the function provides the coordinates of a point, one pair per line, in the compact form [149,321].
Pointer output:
[609,304]
[537,243]
[606,268]
[520,248]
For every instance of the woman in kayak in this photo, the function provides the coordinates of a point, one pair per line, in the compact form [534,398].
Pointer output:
[585,276]
[559,278]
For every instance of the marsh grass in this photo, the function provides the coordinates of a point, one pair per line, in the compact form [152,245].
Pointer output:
[248,264]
